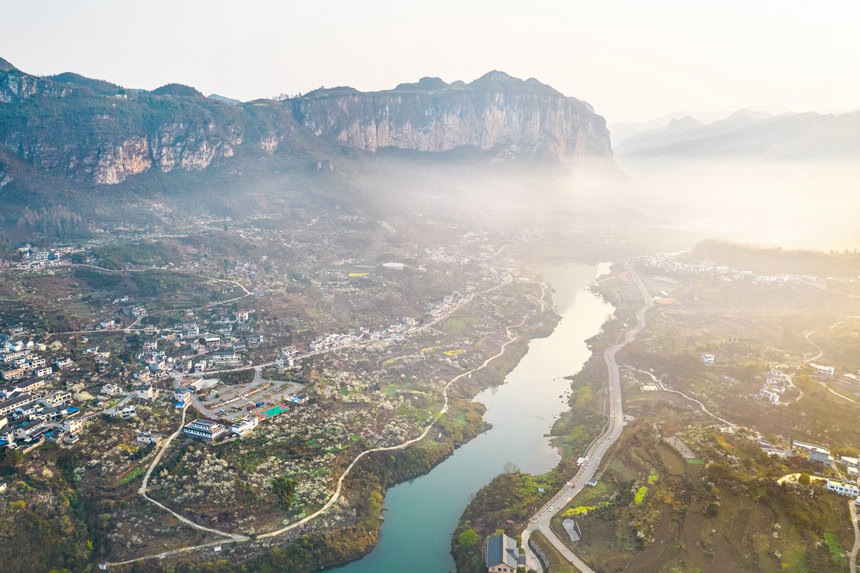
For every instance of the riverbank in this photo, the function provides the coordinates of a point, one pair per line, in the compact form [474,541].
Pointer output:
[521,410]
[351,527]
[511,498]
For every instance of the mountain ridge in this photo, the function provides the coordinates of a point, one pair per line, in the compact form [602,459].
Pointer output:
[751,134]
[93,132]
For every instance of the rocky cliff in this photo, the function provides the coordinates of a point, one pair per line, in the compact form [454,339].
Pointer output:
[94,132]
[495,113]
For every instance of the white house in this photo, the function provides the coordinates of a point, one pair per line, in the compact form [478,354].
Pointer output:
[206,429]
[843,488]
[148,438]
[823,370]
[813,452]
[73,425]
[126,412]
[147,392]
[245,425]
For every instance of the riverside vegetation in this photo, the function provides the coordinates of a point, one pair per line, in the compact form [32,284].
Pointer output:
[656,509]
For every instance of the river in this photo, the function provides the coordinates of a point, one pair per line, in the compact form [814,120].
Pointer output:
[421,514]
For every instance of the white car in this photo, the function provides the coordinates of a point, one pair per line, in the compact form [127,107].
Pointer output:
[550,508]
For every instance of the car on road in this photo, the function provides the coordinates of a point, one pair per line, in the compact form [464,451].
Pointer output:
[550,508]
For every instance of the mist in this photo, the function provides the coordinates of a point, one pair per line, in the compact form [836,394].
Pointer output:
[797,204]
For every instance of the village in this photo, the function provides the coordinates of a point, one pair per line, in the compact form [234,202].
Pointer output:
[179,361]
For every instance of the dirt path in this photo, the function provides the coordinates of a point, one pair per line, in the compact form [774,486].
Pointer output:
[702,406]
[234,537]
[819,355]
[852,508]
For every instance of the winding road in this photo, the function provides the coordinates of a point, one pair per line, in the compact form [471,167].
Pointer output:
[540,521]
[235,537]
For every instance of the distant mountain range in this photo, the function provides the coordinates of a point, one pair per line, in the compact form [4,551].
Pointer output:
[746,133]
[93,132]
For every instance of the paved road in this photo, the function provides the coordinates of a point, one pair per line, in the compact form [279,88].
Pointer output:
[541,520]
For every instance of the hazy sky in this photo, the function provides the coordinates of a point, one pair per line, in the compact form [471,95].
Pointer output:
[632,60]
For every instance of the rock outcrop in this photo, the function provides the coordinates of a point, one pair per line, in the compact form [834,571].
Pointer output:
[495,113]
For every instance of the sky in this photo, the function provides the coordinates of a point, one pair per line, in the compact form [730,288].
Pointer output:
[632,60]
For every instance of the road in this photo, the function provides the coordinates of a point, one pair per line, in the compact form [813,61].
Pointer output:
[819,354]
[186,521]
[852,507]
[701,406]
[235,537]
[540,521]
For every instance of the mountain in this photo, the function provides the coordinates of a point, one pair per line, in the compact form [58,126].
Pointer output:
[496,113]
[751,134]
[94,132]
[224,99]
[621,132]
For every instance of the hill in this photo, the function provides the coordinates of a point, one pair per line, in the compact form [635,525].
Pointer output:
[751,134]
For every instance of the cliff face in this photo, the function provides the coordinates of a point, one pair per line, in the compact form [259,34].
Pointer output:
[94,132]
[495,113]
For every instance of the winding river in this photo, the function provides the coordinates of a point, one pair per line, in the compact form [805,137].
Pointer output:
[421,514]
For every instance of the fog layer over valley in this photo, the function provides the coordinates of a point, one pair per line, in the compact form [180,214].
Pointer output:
[794,204]
[320,286]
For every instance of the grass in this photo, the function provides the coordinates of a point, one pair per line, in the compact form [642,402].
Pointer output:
[589,493]
[391,390]
[557,563]
[583,509]
[133,475]
[458,324]
[793,560]
[834,546]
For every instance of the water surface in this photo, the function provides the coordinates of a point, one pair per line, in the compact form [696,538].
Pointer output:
[421,514]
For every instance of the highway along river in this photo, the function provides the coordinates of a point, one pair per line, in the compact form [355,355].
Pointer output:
[421,514]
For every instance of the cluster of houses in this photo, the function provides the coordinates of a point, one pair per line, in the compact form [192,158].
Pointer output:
[821,455]
[670,264]
[29,413]
[448,305]
[212,430]
[396,331]
[36,258]
[216,345]
[776,382]
[392,332]
[28,419]
[19,360]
